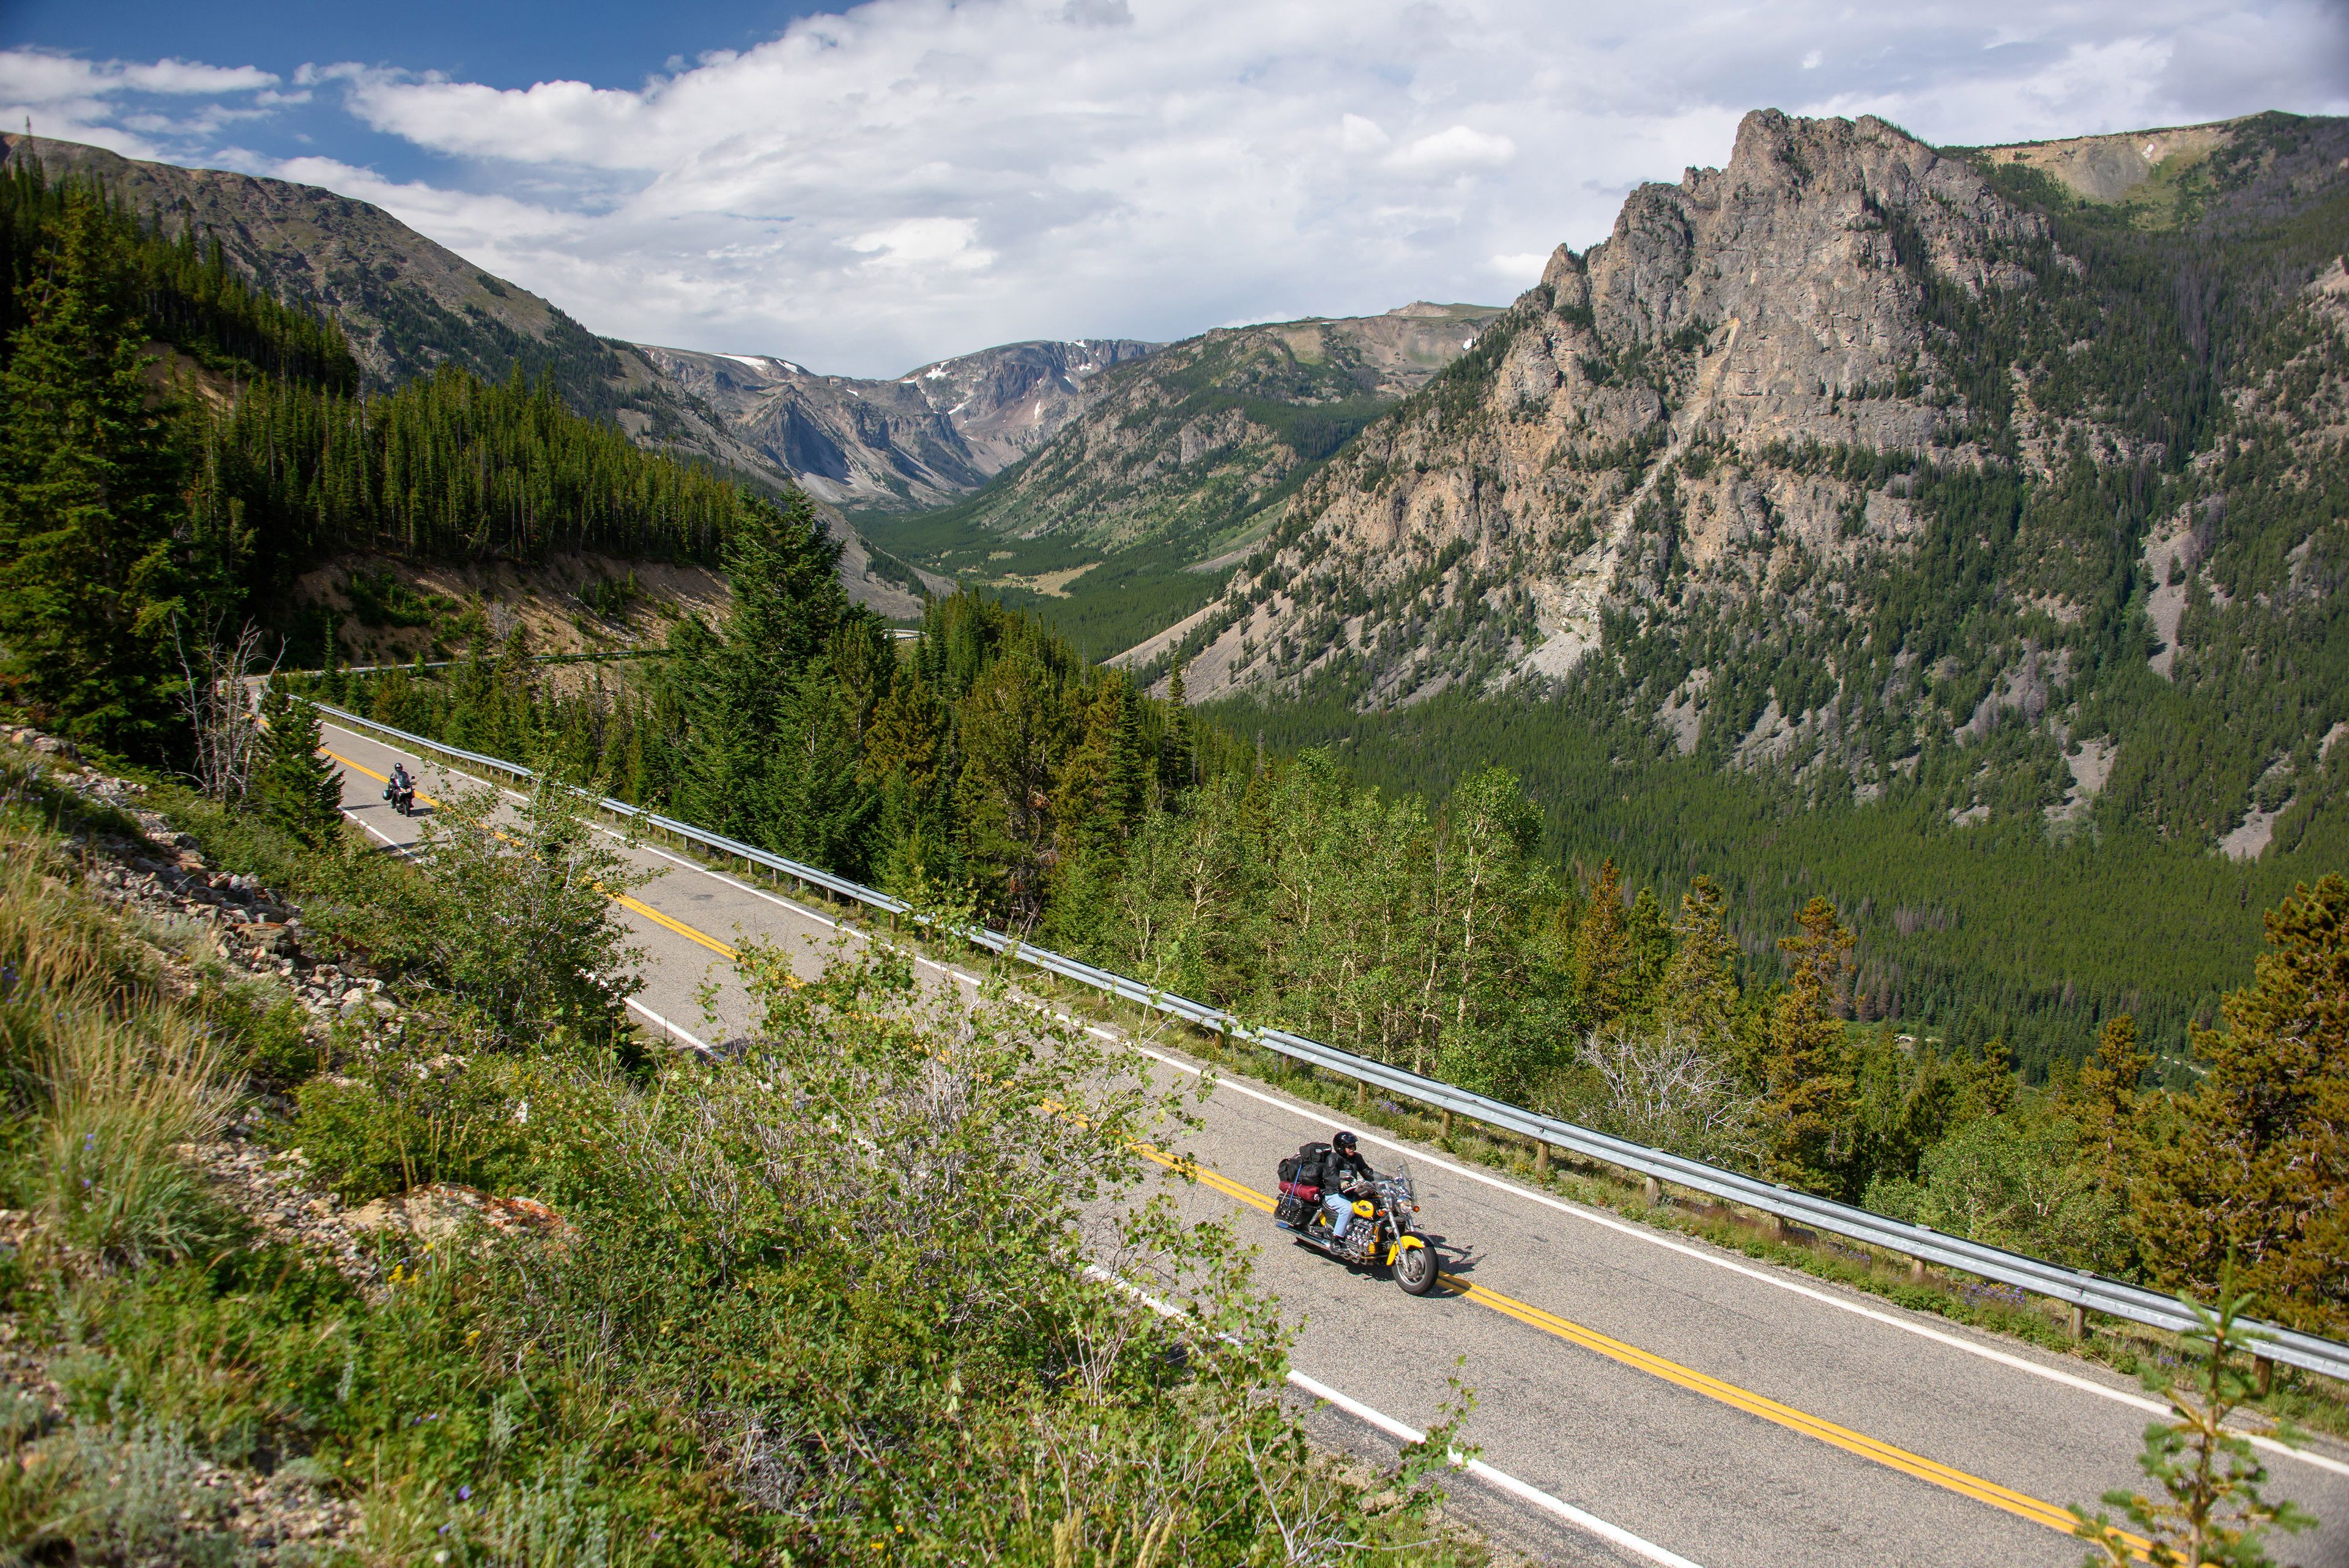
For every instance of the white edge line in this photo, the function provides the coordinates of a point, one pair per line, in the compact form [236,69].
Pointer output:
[1500,1480]
[698,1044]
[1639,1232]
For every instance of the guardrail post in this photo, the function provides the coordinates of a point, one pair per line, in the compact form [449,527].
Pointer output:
[1915,1270]
[1362,1096]
[2264,1374]
[2079,1323]
[1652,1191]
[1447,1126]
[1541,1158]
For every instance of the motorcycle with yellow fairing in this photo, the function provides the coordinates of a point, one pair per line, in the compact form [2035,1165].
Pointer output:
[1381,1231]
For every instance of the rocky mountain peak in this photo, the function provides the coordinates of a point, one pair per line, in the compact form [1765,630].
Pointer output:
[1856,458]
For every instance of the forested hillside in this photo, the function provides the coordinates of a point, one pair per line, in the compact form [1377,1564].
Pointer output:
[1135,512]
[407,305]
[176,445]
[407,308]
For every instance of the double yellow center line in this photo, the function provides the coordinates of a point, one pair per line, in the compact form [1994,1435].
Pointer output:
[2022,1505]
[635,906]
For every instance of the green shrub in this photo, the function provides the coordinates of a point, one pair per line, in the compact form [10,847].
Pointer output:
[540,940]
[238,840]
[42,1504]
[406,1115]
[264,1032]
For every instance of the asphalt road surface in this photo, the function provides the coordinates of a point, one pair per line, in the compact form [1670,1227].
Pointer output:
[1699,1406]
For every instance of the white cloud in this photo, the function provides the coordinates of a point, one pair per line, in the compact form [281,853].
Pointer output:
[921,243]
[1356,134]
[1456,149]
[182,76]
[111,103]
[913,179]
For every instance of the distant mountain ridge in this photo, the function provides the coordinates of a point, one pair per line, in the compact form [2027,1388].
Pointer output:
[1208,429]
[1170,466]
[917,439]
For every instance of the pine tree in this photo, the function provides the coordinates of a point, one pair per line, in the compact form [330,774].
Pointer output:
[1986,1084]
[1807,1092]
[1014,730]
[1700,983]
[89,502]
[1178,765]
[1604,962]
[2260,1169]
[2104,1101]
[295,786]
[738,688]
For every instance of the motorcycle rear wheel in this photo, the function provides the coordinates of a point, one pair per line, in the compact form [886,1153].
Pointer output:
[1415,1270]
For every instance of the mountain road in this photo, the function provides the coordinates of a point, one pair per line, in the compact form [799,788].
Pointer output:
[1711,1409]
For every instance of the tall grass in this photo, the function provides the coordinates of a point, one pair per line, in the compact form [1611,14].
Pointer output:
[107,1079]
[112,1183]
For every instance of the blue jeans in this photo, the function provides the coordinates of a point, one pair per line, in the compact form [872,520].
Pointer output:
[1340,1209]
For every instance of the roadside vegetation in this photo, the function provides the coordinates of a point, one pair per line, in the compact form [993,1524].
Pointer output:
[829,1299]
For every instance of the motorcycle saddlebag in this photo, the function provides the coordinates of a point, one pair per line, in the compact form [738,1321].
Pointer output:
[1287,1169]
[1291,1210]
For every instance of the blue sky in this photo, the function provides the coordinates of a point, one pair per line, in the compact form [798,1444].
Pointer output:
[499,45]
[870,188]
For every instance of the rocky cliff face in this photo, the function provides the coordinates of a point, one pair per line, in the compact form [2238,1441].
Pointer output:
[1844,459]
[922,439]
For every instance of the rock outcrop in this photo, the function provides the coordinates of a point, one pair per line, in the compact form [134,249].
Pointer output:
[1850,459]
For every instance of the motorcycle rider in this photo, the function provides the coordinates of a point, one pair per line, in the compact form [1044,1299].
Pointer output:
[1344,1172]
[401,785]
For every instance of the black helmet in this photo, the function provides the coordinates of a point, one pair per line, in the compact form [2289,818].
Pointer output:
[1343,1143]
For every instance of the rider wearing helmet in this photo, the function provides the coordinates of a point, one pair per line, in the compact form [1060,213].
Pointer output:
[400,779]
[1343,1171]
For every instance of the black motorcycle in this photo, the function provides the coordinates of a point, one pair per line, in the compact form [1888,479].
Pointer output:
[1380,1232]
[402,796]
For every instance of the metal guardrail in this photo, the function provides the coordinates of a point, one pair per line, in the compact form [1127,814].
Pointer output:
[454,664]
[2078,1287]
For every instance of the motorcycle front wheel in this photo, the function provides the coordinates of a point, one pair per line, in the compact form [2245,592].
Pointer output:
[1416,1271]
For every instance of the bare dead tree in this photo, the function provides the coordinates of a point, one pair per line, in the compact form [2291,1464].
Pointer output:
[218,696]
[1675,1088]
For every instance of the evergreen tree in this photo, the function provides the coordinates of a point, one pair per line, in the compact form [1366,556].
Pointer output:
[2260,1168]
[738,688]
[1807,1092]
[1604,962]
[1178,768]
[1700,983]
[90,504]
[294,787]
[2104,1100]
[1013,727]
[1986,1084]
